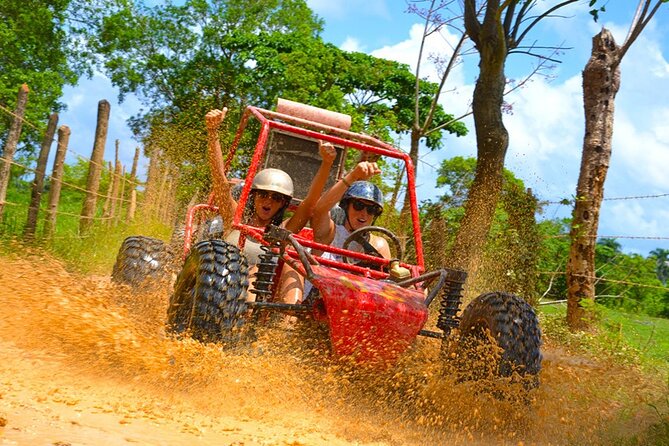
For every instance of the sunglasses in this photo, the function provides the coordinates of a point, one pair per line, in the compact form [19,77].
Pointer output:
[274,196]
[372,209]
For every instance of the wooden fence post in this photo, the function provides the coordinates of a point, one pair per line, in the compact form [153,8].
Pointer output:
[38,182]
[121,197]
[130,215]
[56,179]
[11,143]
[115,179]
[151,189]
[95,167]
[132,206]
[107,204]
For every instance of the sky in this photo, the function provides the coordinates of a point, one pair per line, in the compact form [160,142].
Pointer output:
[546,124]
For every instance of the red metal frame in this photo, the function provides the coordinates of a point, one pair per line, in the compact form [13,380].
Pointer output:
[268,121]
[370,319]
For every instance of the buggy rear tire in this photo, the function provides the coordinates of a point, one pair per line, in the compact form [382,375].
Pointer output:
[139,261]
[209,298]
[509,322]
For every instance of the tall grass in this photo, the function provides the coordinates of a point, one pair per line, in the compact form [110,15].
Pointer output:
[93,252]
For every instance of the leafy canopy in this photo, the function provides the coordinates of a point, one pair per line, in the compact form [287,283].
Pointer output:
[36,50]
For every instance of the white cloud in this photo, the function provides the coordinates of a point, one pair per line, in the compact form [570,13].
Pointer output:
[437,44]
[352,44]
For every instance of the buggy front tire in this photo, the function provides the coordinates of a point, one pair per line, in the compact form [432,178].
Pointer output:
[209,299]
[510,328]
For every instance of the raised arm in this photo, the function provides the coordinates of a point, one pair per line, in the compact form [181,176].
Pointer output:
[305,209]
[322,224]
[222,191]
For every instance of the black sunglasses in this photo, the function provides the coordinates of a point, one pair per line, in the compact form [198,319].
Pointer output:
[372,209]
[275,196]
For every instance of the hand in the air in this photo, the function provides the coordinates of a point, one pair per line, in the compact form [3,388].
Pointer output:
[327,151]
[365,170]
[214,118]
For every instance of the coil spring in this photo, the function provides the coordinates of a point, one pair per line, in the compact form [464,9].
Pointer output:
[262,286]
[449,306]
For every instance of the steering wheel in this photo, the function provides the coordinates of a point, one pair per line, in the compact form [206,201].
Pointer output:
[358,236]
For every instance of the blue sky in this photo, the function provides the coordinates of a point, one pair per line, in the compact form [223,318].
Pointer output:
[546,126]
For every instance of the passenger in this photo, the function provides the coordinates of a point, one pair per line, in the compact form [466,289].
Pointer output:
[362,203]
[271,192]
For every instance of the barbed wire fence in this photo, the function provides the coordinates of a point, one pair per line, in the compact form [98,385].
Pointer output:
[111,207]
[118,203]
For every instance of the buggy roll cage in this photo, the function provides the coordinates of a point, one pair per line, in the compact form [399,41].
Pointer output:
[292,125]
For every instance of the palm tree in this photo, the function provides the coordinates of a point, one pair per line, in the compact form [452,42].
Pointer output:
[662,262]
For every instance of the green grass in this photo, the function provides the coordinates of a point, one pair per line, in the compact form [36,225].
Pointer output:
[623,335]
[94,252]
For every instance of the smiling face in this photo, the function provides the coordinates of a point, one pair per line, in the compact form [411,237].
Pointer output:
[266,205]
[361,213]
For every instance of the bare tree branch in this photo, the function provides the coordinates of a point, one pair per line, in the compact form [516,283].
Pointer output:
[541,17]
[638,24]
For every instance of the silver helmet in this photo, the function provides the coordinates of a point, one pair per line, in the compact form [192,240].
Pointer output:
[273,180]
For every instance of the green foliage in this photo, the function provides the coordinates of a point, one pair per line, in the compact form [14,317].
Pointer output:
[511,253]
[621,272]
[662,264]
[183,60]
[625,337]
[37,51]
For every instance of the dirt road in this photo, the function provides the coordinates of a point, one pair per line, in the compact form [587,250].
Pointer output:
[83,362]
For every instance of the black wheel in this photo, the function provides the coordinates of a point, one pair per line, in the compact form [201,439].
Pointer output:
[500,335]
[209,297]
[359,234]
[140,260]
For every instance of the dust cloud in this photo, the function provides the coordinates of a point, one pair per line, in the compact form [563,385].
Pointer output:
[86,362]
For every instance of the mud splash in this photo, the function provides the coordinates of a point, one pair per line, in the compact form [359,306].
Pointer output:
[91,364]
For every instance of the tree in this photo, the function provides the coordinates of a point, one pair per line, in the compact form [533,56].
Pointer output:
[662,262]
[497,29]
[627,282]
[37,51]
[601,81]
[429,118]
[184,60]
[514,234]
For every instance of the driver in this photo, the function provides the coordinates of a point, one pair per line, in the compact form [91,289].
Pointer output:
[362,203]
[271,191]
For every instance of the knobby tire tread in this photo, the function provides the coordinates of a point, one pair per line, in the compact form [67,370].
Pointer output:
[210,293]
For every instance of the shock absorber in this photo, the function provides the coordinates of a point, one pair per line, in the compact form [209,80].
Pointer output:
[262,286]
[449,306]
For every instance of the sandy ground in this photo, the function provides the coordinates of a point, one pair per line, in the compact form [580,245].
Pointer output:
[84,362]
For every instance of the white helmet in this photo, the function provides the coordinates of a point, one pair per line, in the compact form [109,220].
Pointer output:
[273,180]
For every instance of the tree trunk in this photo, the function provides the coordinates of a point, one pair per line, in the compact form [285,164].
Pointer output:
[133,191]
[413,154]
[107,203]
[56,178]
[121,198]
[601,80]
[95,167]
[116,184]
[11,143]
[38,181]
[492,141]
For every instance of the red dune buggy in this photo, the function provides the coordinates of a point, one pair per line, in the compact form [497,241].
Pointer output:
[374,309]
